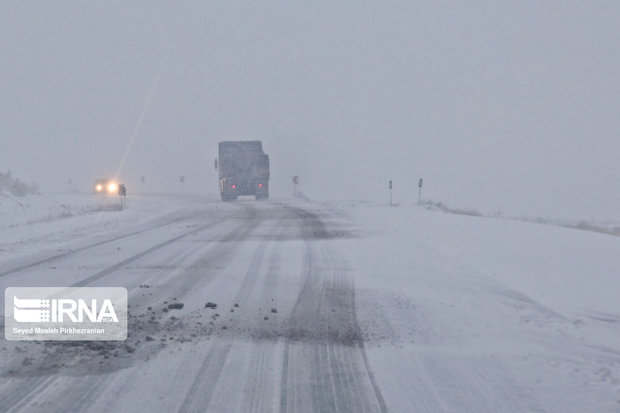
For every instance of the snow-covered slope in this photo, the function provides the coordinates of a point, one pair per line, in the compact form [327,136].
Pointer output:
[488,314]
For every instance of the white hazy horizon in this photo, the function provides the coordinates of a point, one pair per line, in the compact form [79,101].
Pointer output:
[502,106]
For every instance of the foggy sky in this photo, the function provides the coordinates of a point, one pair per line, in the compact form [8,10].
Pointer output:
[509,106]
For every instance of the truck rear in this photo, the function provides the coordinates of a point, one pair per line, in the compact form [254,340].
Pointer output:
[243,170]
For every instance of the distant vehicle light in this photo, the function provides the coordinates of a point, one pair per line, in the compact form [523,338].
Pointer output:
[105,186]
[234,186]
[260,185]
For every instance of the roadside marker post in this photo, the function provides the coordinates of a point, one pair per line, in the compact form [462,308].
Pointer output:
[122,192]
[420,182]
[295,182]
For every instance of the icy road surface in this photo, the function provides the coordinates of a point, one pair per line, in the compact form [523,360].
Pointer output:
[349,308]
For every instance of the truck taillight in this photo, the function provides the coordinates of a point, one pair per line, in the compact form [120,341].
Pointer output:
[260,185]
[234,186]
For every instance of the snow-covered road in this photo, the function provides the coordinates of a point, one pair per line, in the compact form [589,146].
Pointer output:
[320,307]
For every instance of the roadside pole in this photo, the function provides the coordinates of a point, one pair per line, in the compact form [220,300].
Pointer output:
[420,191]
[122,193]
[390,186]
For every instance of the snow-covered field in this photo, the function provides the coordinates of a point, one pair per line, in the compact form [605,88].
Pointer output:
[35,221]
[321,307]
[488,314]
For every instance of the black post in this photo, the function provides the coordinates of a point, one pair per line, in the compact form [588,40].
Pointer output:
[122,192]
[420,191]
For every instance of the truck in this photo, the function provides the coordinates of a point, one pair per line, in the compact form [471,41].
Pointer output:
[243,170]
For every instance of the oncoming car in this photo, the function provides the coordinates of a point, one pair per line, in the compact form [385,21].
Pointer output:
[105,186]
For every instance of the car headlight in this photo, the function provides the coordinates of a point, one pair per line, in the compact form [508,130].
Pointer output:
[112,188]
[99,188]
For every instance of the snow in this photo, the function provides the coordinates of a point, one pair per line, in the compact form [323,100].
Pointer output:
[492,313]
[53,220]
[505,298]
[457,313]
